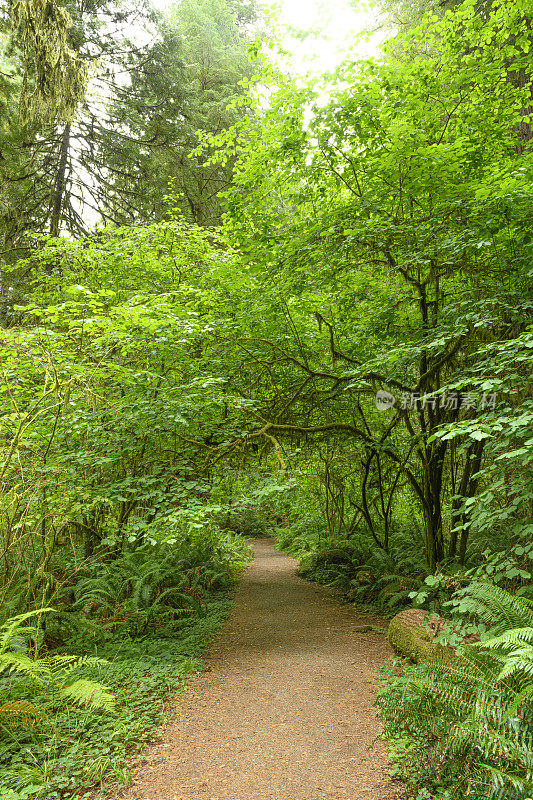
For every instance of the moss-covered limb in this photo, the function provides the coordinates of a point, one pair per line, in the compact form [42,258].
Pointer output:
[55,77]
[410,635]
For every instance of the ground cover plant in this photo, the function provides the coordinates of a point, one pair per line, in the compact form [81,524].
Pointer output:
[69,720]
[57,750]
[473,712]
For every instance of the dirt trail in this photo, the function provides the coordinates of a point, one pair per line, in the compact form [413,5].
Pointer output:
[284,708]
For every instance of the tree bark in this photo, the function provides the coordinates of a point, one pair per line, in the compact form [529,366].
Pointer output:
[433,470]
[60,183]
[467,488]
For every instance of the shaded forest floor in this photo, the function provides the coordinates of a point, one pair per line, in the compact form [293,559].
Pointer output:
[284,708]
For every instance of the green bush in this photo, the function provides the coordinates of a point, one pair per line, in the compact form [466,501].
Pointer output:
[464,728]
[67,749]
[149,586]
[129,630]
[358,568]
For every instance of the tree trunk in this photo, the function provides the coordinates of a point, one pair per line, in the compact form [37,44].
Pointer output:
[60,183]
[433,506]
[467,488]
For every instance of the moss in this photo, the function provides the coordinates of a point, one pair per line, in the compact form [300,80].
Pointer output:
[408,636]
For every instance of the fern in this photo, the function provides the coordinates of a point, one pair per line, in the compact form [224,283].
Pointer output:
[49,676]
[498,609]
[98,590]
[184,597]
[21,713]
[514,649]
[89,694]
[474,713]
[14,628]
[20,662]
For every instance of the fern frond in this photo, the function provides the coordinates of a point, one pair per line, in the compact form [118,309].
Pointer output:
[14,627]
[95,590]
[507,640]
[21,713]
[184,597]
[504,779]
[71,663]
[19,662]
[522,698]
[499,609]
[89,694]
[142,592]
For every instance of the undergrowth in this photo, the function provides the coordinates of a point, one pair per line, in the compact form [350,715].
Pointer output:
[85,688]
[460,727]
[388,581]
[363,573]
[464,727]
[71,749]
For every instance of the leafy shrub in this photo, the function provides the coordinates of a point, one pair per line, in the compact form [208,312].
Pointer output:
[23,675]
[150,586]
[143,617]
[72,749]
[465,728]
[362,571]
[251,522]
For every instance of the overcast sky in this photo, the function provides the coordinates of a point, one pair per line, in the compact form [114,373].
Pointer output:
[334,31]
[337,32]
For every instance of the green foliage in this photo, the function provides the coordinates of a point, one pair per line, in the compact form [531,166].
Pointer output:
[58,76]
[464,728]
[114,96]
[47,161]
[33,688]
[111,388]
[59,752]
[155,583]
[146,615]
[403,203]
[493,606]
[197,80]
[362,572]
[164,392]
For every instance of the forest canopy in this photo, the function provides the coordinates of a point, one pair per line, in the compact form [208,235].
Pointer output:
[237,301]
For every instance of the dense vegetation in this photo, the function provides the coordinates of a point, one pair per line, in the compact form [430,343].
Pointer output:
[306,308]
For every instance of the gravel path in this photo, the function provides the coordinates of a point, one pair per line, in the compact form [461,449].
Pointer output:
[283,710]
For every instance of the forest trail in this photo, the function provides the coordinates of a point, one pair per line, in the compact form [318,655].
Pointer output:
[284,707]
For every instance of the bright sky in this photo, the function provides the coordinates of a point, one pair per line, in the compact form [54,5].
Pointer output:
[328,31]
[335,30]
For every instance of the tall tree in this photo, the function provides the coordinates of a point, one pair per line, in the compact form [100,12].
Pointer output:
[45,187]
[194,84]
[159,81]
[381,216]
